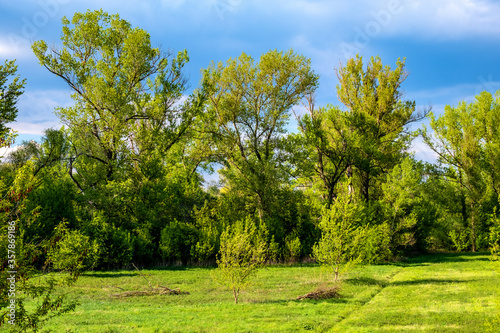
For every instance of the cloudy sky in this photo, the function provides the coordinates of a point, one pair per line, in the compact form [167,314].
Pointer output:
[451,47]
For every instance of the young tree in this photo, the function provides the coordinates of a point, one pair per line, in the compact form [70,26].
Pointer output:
[400,197]
[346,237]
[378,117]
[249,108]
[242,252]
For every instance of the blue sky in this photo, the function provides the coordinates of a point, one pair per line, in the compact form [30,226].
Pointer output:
[451,47]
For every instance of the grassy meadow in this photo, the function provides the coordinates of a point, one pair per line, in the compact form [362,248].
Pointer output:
[430,293]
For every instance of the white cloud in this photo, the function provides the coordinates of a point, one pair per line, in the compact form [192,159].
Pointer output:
[34,129]
[452,95]
[36,110]
[5,151]
[356,23]
[12,47]
[422,151]
[447,19]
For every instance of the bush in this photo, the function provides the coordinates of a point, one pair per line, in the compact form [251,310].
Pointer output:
[495,239]
[178,241]
[116,246]
[460,239]
[74,252]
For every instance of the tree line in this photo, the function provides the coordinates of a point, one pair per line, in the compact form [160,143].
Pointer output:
[121,182]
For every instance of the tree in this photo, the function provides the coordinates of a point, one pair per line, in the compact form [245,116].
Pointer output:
[457,139]
[127,97]
[242,252]
[126,132]
[377,115]
[401,197]
[346,237]
[20,279]
[326,131]
[488,115]
[9,96]
[249,108]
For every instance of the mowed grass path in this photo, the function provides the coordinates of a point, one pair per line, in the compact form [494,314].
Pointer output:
[431,293]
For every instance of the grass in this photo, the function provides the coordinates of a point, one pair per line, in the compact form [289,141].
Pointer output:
[431,293]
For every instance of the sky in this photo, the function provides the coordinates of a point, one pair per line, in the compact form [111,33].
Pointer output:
[451,47]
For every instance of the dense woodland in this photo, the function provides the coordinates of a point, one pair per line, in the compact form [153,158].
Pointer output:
[122,181]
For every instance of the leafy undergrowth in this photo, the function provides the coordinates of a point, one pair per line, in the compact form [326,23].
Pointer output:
[433,293]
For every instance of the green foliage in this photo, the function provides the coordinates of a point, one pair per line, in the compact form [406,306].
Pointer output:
[127,121]
[378,119]
[73,252]
[249,108]
[494,239]
[178,241]
[340,235]
[465,139]
[327,133]
[242,253]
[23,255]
[401,198]
[210,226]
[293,248]
[460,239]
[348,237]
[9,95]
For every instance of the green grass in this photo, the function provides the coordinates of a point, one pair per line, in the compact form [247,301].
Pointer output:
[432,293]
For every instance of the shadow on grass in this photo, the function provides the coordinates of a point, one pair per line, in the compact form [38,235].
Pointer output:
[365,281]
[447,258]
[146,271]
[109,274]
[427,281]
[180,268]
[335,300]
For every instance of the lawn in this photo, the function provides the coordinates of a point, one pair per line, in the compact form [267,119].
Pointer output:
[431,293]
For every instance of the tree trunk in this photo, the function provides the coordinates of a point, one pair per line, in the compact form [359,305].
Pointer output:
[365,186]
[473,227]
[349,181]
[235,295]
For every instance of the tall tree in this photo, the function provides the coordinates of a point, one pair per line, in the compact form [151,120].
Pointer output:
[377,115]
[489,117]
[249,108]
[9,95]
[326,131]
[458,141]
[127,96]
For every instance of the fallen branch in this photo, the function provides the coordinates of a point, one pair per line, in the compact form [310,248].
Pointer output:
[152,292]
[158,290]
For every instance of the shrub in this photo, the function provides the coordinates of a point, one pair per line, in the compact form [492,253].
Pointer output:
[74,252]
[178,241]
